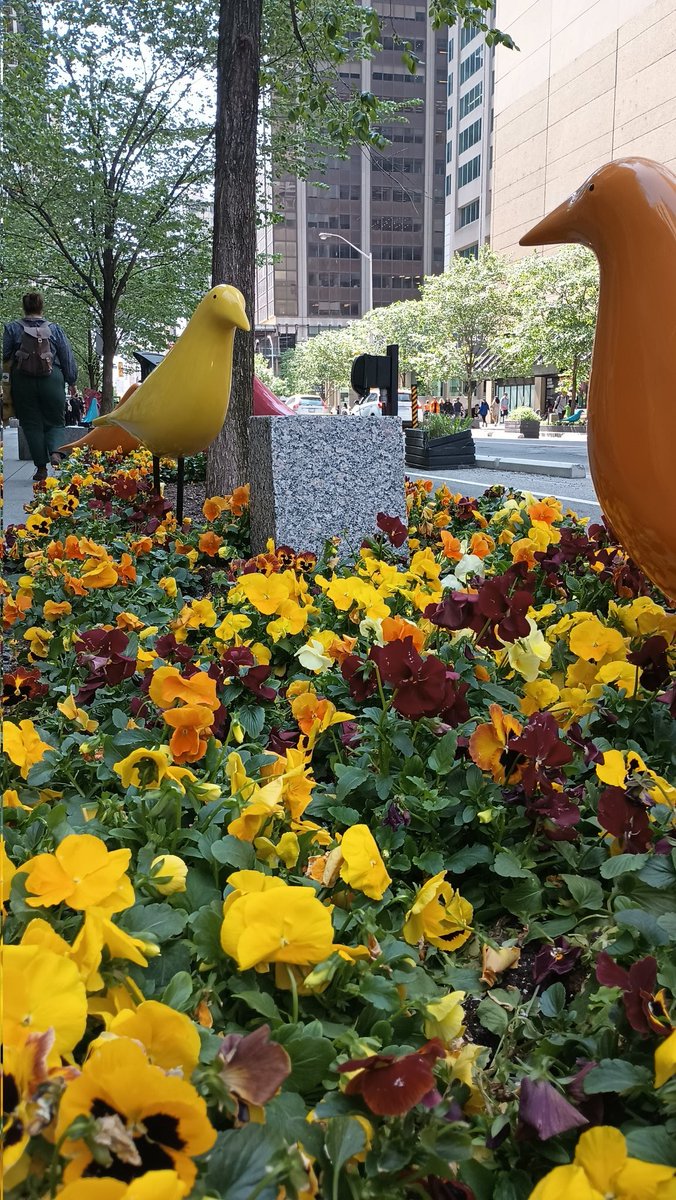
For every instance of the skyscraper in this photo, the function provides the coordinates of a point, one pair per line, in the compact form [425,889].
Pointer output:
[373,224]
[469,138]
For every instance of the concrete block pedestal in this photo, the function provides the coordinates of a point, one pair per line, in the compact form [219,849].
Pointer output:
[313,478]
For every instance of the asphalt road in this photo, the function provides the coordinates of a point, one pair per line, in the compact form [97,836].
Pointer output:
[550,449]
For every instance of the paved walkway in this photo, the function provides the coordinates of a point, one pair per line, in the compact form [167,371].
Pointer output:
[18,487]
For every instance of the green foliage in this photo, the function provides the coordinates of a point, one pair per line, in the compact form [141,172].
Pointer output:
[524,413]
[442,425]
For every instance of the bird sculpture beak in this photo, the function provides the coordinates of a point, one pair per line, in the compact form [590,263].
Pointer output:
[557,226]
[240,319]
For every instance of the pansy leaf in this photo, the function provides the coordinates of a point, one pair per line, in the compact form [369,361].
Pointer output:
[622,864]
[588,893]
[493,1017]
[261,1003]
[344,1138]
[654,1144]
[160,920]
[238,1162]
[616,1075]
[553,1000]
[380,992]
[470,857]
[178,992]
[644,923]
[311,1057]
[252,721]
[442,757]
[509,867]
[349,779]
[232,852]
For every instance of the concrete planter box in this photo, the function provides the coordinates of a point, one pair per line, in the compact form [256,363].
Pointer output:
[69,433]
[432,454]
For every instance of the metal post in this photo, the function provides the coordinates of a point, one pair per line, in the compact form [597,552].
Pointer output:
[414,406]
[156,475]
[393,387]
[180,475]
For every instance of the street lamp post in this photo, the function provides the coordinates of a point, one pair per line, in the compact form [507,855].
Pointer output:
[364,254]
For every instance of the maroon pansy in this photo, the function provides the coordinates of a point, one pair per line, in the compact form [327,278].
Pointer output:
[652,659]
[254,681]
[22,684]
[625,816]
[391,1086]
[393,528]
[419,683]
[645,1008]
[557,959]
[360,676]
[102,650]
[281,740]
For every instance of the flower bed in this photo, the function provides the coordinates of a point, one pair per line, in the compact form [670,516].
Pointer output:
[353,881]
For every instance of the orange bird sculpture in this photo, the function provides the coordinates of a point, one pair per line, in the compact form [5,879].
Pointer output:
[626,213]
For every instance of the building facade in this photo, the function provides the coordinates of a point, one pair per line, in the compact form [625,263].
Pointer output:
[592,81]
[390,205]
[469,142]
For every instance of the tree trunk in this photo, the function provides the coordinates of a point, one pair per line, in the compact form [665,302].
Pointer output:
[108,331]
[234,248]
[93,364]
[573,383]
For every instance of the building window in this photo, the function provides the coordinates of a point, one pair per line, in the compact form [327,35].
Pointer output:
[449,88]
[471,100]
[469,251]
[468,213]
[469,171]
[451,47]
[449,119]
[469,136]
[449,151]
[449,184]
[467,34]
[471,64]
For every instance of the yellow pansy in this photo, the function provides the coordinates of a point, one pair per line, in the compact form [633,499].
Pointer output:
[169,1038]
[665,1060]
[169,586]
[362,867]
[295,928]
[602,1169]
[42,991]
[146,768]
[526,655]
[231,626]
[169,873]
[81,873]
[23,745]
[39,640]
[287,850]
[439,915]
[70,710]
[266,593]
[622,675]
[593,641]
[538,695]
[445,1018]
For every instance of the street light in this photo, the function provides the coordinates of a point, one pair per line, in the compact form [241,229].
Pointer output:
[369,258]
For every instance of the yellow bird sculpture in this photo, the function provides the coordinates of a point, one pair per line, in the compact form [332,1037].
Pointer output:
[180,408]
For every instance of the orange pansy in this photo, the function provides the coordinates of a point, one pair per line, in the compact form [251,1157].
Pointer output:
[489,742]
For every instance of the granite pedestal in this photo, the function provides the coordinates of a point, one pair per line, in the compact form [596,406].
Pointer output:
[68,434]
[313,478]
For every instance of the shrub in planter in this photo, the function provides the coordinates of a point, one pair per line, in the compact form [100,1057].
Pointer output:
[526,420]
[443,441]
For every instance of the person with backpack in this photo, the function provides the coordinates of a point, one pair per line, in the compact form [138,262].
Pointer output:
[42,364]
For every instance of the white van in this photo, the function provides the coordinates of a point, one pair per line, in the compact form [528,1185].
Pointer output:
[372,406]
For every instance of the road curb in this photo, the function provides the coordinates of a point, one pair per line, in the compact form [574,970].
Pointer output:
[540,466]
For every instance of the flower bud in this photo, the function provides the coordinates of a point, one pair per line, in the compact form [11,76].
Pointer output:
[169,874]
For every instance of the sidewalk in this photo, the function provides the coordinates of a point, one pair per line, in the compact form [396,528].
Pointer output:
[498,431]
[18,486]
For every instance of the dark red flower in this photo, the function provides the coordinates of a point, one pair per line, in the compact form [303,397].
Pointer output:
[167,647]
[281,740]
[652,659]
[393,528]
[542,749]
[454,708]
[669,698]
[455,611]
[447,1189]
[234,659]
[644,1007]
[254,680]
[396,817]
[102,651]
[392,1086]
[626,817]
[543,1109]
[419,683]
[286,556]
[360,676]
[306,561]
[558,959]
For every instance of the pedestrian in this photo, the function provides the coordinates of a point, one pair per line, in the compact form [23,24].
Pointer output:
[42,362]
[483,412]
[495,410]
[457,408]
[504,406]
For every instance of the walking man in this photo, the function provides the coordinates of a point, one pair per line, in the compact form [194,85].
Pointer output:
[42,363]
[483,412]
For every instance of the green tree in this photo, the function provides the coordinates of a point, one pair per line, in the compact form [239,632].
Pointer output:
[556,298]
[284,56]
[468,312]
[107,156]
[323,363]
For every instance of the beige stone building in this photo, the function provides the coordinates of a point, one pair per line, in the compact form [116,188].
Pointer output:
[593,80]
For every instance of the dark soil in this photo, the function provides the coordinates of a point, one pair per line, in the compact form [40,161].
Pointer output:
[194,495]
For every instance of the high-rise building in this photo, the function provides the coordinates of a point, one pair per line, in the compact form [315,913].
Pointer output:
[469,142]
[591,82]
[365,233]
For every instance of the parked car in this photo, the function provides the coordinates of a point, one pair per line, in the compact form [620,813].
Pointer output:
[372,406]
[308,406]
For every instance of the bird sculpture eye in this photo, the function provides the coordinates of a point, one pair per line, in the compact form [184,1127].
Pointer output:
[591,187]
